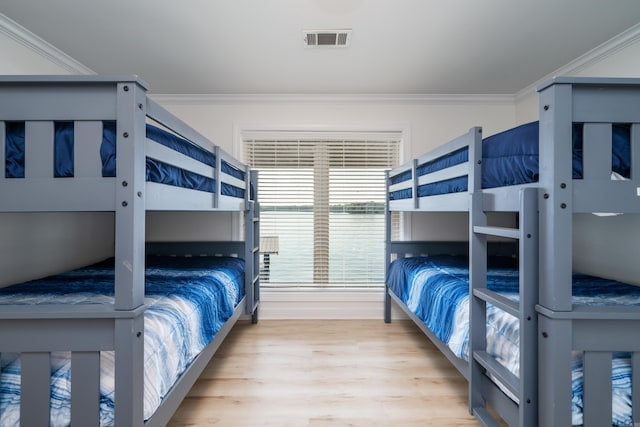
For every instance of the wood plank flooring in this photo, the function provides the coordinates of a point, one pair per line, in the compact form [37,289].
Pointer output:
[327,373]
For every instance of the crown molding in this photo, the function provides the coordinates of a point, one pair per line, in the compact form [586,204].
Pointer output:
[37,45]
[301,98]
[594,56]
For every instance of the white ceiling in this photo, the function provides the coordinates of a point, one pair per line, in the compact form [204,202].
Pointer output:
[397,46]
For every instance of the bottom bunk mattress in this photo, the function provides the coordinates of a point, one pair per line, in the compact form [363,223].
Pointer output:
[436,290]
[188,300]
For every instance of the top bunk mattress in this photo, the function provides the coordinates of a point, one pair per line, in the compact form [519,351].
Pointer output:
[511,158]
[156,171]
[187,299]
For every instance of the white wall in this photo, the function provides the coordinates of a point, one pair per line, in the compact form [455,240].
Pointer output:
[623,60]
[34,241]
[33,244]
[17,59]
[604,246]
[610,244]
[430,121]
[427,122]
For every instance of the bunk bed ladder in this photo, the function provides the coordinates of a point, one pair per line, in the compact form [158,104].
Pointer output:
[252,247]
[387,251]
[515,400]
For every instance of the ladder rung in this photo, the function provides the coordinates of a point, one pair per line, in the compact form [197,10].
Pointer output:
[485,417]
[500,301]
[499,372]
[511,233]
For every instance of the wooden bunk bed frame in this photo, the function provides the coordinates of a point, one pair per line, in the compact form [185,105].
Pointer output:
[35,331]
[551,328]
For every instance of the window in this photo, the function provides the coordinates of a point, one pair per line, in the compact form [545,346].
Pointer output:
[322,207]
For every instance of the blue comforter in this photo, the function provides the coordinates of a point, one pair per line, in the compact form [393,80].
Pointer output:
[188,300]
[511,158]
[156,171]
[436,290]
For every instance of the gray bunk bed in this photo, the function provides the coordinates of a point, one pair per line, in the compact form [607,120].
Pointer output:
[92,105]
[555,334]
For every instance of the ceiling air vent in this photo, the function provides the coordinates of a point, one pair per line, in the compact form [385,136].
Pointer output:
[330,38]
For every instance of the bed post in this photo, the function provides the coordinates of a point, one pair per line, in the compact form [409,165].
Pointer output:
[387,249]
[216,177]
[130,251]
[556,202]
[252,247]
[477,306]
[2,150]
[477,272]
[555,253]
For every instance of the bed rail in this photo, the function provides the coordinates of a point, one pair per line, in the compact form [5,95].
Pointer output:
[85,330]
[37,331]
[161,116]
[404,182]
[599,103]
[597,333]
[597,106]
[87,102]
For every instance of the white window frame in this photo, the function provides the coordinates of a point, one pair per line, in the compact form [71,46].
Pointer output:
[364,303]
[240,129]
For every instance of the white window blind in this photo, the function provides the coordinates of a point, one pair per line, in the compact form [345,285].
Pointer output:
[322,201]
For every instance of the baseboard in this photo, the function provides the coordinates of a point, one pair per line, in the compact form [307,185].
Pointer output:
[301,304]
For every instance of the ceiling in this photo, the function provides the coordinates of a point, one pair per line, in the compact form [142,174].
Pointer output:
[397,46]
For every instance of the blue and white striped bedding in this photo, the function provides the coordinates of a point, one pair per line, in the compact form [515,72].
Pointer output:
[188,300]
[436,290]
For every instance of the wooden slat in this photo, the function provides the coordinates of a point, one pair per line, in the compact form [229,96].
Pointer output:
[502,374]
[596,147]
[34,388]
[85,388]
[485,417]
[635,152]
[3,144]
[38,150]
[86,146]
[512,233]
[58,194]
[501,302]
[167,155]
[597,389]
[635,385]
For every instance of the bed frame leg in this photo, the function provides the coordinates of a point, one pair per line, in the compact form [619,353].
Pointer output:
[254,316]
[387,306]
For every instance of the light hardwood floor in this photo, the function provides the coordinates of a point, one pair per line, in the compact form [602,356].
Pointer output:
[327,373]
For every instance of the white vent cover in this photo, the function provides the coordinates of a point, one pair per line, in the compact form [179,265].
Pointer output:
[330,38]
